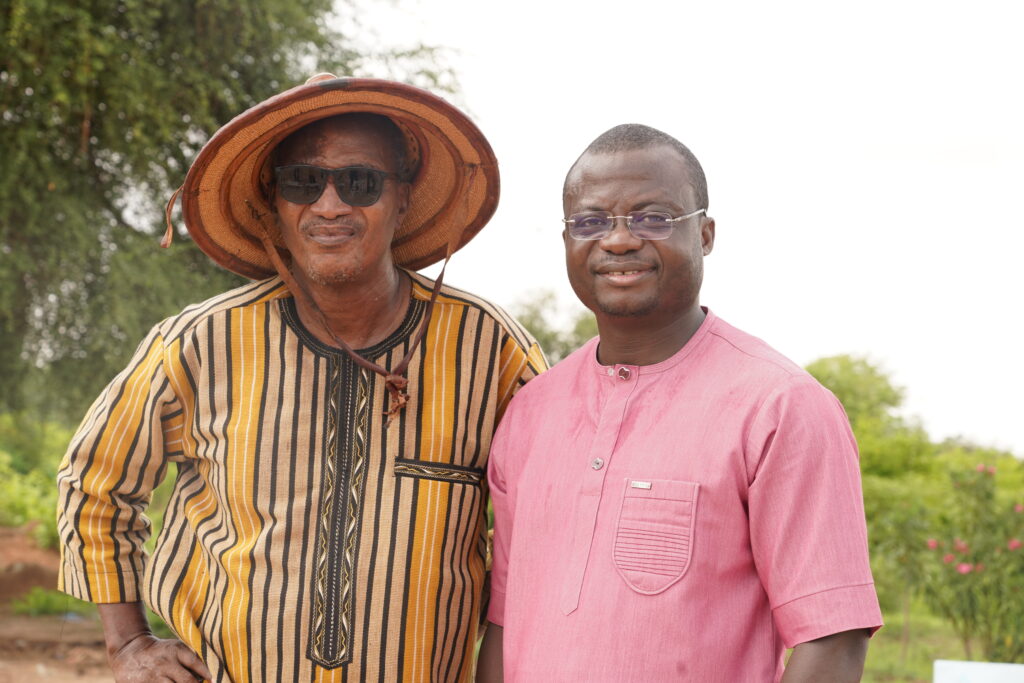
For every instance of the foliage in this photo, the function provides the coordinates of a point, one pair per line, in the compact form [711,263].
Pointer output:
[40,601]
[104,103]
[891,659]
[32,444]
[863,389]
[973,575]
[934,518]
[26,498]
[539,313]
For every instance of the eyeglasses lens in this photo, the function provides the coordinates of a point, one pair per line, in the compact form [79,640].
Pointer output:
[359,186]
[356,185]
[301,184]
[650,225]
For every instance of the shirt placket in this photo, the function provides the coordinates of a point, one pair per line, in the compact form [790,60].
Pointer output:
[592,472]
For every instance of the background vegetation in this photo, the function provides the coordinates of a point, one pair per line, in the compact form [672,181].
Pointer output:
[103,103]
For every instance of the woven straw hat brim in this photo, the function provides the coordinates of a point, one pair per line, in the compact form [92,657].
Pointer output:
[454,191]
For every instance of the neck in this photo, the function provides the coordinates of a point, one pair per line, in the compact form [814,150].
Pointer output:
[361,314]
[632,341]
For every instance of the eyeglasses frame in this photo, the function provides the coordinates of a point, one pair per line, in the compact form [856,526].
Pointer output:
[629,224]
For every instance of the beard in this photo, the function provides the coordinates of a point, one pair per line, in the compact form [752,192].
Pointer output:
[327,277]
[627,309]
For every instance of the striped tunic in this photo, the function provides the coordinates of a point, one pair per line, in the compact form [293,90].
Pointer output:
[303,541]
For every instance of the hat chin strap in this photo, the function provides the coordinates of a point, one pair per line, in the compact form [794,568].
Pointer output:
[394,380]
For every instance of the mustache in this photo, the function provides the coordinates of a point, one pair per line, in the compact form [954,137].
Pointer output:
[319,223]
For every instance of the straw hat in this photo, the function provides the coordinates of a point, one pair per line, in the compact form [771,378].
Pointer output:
[454,187]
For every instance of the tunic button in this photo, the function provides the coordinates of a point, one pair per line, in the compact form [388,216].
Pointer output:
[623,373]
[597,464]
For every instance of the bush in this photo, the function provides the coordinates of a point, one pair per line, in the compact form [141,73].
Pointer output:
[28,497]
[973,575]
[40,601]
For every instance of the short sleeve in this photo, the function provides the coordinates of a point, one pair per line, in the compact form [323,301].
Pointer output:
[807,527]
[115,460]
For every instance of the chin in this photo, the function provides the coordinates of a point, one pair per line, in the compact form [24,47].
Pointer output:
[626,308]
[333,276]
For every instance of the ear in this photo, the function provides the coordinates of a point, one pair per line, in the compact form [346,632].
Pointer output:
[707,235]
[404,196]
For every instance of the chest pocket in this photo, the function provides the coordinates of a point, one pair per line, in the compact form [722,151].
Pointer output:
[654,533]
[423,469]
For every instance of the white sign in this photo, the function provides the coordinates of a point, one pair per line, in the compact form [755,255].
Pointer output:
[977,672]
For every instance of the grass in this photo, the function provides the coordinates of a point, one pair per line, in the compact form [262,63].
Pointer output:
[42,602]
[930,638]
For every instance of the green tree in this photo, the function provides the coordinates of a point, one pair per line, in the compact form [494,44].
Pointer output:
[558,334]
[104,104]
[865,391]
[890,446]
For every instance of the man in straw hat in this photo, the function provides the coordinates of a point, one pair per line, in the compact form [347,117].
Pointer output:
[697,509]
[330,421]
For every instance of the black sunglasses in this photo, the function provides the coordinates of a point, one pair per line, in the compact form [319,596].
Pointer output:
[356,185]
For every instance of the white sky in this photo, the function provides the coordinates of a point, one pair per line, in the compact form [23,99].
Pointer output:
[865,164]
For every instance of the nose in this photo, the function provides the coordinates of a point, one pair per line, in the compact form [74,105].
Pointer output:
[620,240]
[330,203]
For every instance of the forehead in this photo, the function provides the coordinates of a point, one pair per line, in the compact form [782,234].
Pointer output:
[629,177]
[328,139]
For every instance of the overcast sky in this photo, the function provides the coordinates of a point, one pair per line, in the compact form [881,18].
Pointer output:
[865,164]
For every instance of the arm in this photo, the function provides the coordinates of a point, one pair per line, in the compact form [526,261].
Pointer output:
[135,654]
[838,657]
[115,460]
[489,667]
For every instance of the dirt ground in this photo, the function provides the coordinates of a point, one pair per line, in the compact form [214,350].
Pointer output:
[60,649]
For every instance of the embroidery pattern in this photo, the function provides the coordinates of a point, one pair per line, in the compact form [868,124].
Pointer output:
[337,548]
[439,471]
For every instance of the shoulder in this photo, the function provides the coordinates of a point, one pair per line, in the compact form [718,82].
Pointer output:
[750,353]
[741,362]
[250,295]
[778,387]
[485,312]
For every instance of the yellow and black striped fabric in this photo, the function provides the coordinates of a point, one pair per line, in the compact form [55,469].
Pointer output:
[303,541]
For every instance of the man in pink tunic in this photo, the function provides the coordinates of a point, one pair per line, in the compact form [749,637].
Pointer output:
[676,500]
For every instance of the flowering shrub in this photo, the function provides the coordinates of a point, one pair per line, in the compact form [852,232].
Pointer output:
[974,567]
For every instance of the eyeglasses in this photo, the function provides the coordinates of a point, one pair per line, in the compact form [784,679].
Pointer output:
[356,185]
[644,225]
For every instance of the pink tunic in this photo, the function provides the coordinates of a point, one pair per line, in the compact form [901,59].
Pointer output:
[687,520]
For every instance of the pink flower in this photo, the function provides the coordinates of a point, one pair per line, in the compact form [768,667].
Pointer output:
[980,467]
[932,544]
[964,568]
[979,568]
[949,557]
[1014,544]
[991,469]
[960,546]
[1019,507]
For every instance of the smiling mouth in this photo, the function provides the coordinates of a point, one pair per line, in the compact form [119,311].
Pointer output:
[624,278]
[330,235]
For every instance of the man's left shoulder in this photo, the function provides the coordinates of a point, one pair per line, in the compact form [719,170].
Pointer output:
[487,313]
[767,377]
[752,356]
